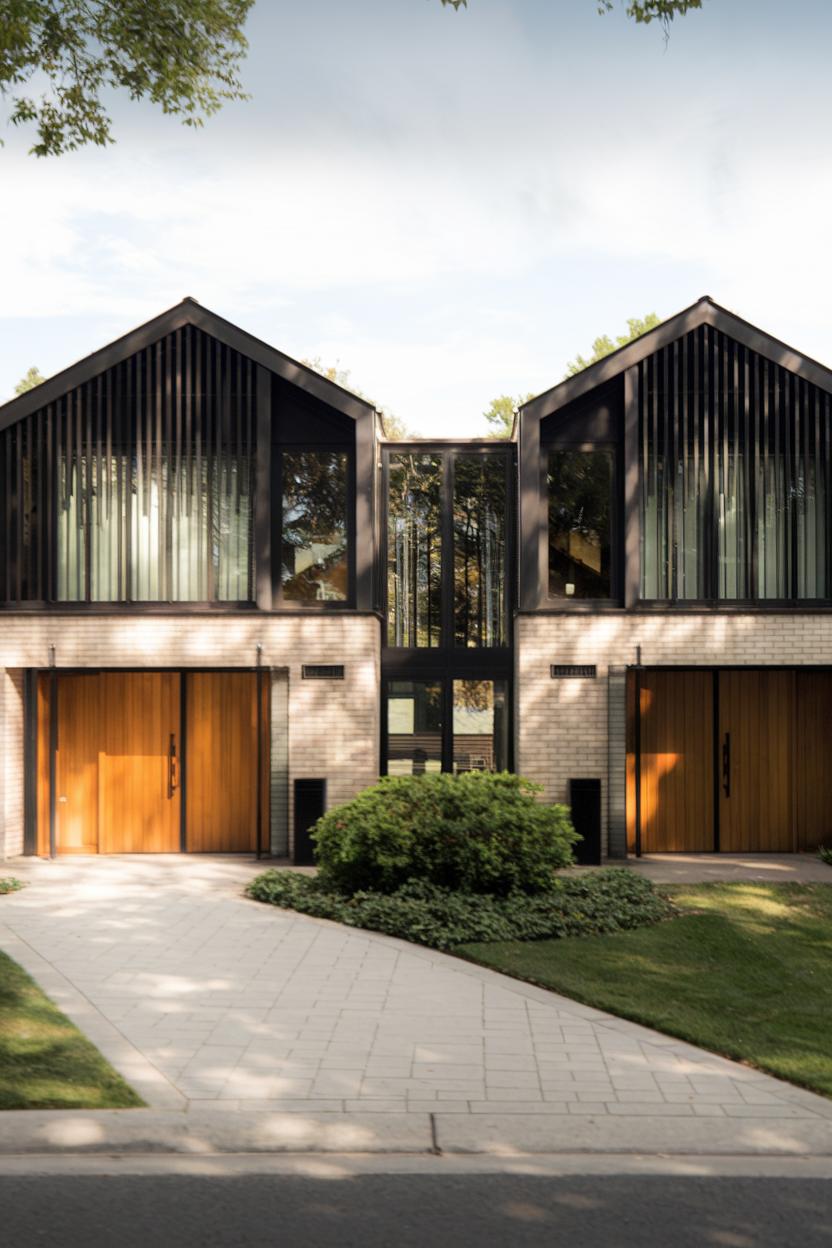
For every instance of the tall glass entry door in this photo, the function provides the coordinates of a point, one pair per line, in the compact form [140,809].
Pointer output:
[445,724]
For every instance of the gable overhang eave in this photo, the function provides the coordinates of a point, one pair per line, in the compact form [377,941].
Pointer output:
[188,312]
[704,312]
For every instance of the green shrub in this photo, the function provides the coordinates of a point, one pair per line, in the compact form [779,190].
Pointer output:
[8,884]
[825,854]
[588,904]
[478,832]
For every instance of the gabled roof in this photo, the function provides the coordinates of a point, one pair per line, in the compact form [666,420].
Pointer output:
[704,312]
[188,312]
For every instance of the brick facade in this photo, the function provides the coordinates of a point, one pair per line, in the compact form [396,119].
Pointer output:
[563,726]
[333,726]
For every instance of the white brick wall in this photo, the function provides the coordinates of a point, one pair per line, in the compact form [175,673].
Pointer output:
[562,724]
[333,725]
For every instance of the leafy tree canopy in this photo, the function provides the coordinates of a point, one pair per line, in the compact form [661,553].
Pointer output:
[33,378]
[500,414]
[183,55]
[636,326]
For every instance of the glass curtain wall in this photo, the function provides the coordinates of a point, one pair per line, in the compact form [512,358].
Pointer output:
[735,472]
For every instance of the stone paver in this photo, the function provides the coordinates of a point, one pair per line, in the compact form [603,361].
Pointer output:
[216,1005]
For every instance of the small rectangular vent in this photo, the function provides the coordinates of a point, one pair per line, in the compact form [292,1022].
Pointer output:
[579,671]
[322,671]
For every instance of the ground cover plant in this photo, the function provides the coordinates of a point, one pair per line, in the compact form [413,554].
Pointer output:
[825,853]
[444,859]
[45,1061]
[744,970]
[574,905]
[8,884]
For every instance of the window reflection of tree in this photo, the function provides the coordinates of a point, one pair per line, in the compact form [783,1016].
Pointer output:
[580,497]
[479,550]
[314,539]
[414,550]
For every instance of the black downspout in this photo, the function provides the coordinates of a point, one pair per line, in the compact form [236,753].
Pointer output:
[259,692]
[638,751]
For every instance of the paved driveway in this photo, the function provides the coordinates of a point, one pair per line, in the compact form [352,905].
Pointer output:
[212,1004]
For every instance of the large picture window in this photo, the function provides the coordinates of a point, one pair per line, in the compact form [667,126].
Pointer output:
[580,493]
[735,476]
[314,533]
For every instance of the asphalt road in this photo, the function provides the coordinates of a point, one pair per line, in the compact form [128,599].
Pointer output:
[400,1210]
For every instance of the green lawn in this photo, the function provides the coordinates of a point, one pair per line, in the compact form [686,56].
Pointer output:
[745,970]
[45,1061]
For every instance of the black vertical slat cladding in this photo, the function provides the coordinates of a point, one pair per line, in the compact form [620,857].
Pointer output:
[157,476]
[189,408]
[49,495]
[199,432]
[788,459]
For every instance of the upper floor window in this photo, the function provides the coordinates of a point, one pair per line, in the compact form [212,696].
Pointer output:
[314,537]
[580,489]
[735,469]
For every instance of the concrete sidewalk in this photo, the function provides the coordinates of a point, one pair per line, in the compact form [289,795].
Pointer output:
[249,1029]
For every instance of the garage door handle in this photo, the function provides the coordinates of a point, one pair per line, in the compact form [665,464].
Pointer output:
[726,765]
[173,767]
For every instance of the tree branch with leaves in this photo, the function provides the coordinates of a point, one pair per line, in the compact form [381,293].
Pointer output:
[183,55]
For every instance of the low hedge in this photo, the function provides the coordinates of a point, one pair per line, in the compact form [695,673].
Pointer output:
[588,904]
[478,832]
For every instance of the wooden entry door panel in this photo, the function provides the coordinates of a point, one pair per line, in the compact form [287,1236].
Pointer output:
[813,759]
[677,762]
[756,743]
[138,767]
[76,764]
[221,762]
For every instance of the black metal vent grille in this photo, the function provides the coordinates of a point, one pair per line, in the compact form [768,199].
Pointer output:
[580,671]
[322,671]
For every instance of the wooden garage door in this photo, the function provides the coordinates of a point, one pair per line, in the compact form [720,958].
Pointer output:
[677,761]
[773,791]
[221,761]
[120,776]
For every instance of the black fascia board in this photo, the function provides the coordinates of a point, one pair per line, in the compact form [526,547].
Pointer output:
[188,312]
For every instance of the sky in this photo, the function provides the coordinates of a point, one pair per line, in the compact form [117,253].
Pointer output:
[450,205]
